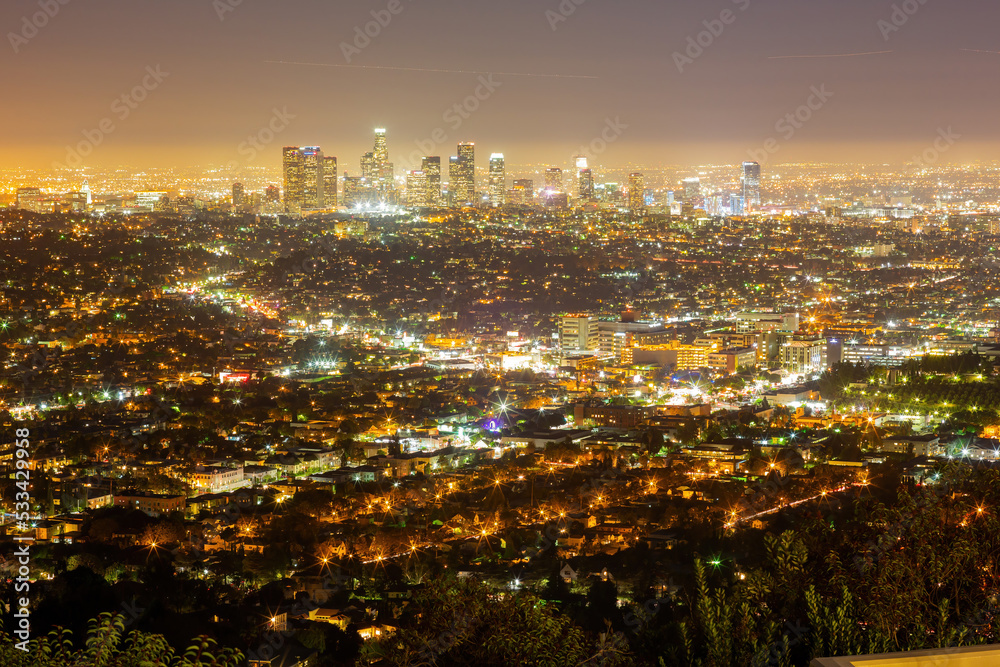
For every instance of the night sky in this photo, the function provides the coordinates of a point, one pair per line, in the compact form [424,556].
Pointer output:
[222,88]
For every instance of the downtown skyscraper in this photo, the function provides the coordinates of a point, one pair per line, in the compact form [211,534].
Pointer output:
[498,180]
[462,174]
[330,182]
[239,196]
[751,185]
[553,180]
[305,178]
[416,189]
[383,171]
[585,179]
[431,166]
[636,193]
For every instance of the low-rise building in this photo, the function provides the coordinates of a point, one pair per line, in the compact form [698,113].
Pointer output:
[732,359]
[217,478]
[153,504]
[618,416]
[916,445]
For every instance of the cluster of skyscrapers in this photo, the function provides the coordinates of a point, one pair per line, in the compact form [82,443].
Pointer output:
[311,184]
[310,179]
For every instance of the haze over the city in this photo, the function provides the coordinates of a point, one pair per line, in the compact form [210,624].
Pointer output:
[563,69]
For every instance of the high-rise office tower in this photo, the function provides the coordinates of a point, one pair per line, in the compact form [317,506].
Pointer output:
[416,189]
[636,193]
[498,180]
[369,170]
[304,176]
[330,182]
[453,168]
[381,151]
[382,177]
[751,185]
[586,183]
[313,178]
[523,193]
[272,194]
[239,196]
[692,189]
[463,175]
[584,178]
[431,166]
[291,163]
[553,180]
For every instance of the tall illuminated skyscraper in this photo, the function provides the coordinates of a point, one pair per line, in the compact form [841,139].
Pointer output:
[553,180]
[416,189]
[751,185]
[463,175]
[304,169]
[291,164]
[313,178]
[498,180]
[330,182]
[431,166]
[381,151]
[636,193]
[453,168]
[584,178]
[382,176]
[239,195]
[586,182]
[369,171]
